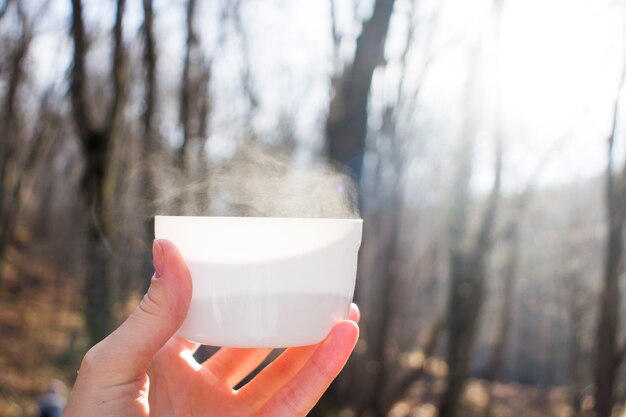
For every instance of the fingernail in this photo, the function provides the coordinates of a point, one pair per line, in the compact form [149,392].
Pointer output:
[157,258]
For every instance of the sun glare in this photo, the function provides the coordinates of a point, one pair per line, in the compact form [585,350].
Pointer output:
[560,62]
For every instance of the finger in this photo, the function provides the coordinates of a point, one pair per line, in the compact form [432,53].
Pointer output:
[298,396]
[232,365]
[279,372]
[355,313]
[129,350]
[276,374]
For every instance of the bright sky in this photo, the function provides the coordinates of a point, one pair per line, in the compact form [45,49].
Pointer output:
[559,69]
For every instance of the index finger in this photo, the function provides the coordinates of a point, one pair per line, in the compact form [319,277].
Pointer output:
[298,396]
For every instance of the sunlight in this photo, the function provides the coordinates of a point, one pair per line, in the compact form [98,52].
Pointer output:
[187,356]
[557,60]
[561,59]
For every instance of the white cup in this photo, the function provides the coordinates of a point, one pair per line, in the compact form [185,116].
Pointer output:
[264,281]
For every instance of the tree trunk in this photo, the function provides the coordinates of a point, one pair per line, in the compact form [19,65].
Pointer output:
[608,320]
[193,117]
[346,131]
[346,126]
[607,325]
[9,139]
[150,140]
[410,377]
[467,261]
[376,401]
[465,301]
[96,186]
[576,313]
[494,362]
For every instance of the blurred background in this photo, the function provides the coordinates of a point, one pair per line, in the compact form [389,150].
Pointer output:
[486,140]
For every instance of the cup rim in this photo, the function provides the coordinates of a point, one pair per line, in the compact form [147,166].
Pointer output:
[317,219]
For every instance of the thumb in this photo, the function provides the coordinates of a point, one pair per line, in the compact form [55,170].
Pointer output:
[159,315]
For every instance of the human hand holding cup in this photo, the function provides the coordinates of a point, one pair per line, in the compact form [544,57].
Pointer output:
[143,369]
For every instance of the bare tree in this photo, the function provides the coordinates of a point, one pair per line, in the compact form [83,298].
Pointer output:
[97,144]
[429,337]
[150,64]
[247,84]
[467,259]
[366,381]
[150,140]
[578,301]
[608,354]
[11,143]
[24,149]
[346,125]
[194,106]
[511,238]
[388,225]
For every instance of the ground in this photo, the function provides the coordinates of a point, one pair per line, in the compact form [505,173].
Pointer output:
[41,333]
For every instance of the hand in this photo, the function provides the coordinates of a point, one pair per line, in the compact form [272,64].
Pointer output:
[141,369]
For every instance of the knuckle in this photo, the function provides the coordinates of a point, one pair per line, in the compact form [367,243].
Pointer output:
[92,359]
[151,305]
[322,368]
[291,403]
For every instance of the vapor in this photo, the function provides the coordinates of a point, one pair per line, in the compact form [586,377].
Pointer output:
[260,183]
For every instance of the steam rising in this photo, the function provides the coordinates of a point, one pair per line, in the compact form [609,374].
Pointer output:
[257,183]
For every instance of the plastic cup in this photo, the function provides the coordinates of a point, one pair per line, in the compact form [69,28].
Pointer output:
[264,281]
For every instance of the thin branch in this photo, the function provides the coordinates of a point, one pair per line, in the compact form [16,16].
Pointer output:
[17,72]
[246,75]
[335,36]
[613,194]
[614,123]
[185,88]
[410,40]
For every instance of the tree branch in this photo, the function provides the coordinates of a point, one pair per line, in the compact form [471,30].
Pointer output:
[615,186]
[246,75]
[335,37]
[16,74]
[186,88]
[410,35]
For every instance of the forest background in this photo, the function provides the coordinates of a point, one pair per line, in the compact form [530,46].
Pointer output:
[485,138]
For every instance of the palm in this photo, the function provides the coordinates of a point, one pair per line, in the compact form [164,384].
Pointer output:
[290,385]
